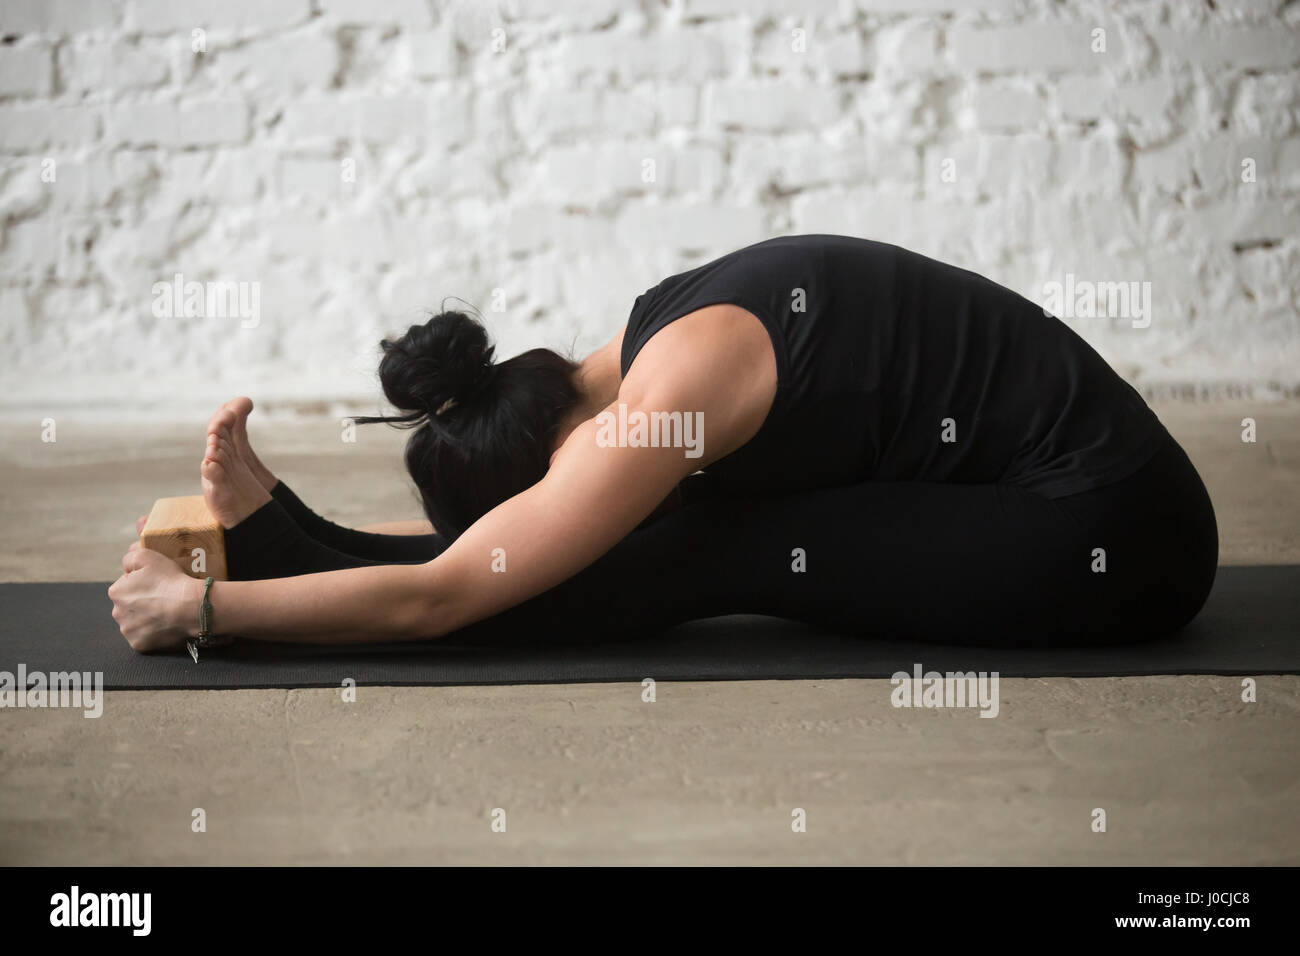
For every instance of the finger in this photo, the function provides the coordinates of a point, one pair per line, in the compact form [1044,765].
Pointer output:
[137,559]
[140,522]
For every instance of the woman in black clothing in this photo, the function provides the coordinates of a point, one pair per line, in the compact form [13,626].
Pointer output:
[820,428]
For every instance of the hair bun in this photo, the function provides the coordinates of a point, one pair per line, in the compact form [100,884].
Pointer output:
[437,366]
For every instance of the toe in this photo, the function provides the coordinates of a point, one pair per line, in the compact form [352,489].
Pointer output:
[212,422]
[223,419]
[215,452]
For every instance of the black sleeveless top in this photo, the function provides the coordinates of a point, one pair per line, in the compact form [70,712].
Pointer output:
[882,354]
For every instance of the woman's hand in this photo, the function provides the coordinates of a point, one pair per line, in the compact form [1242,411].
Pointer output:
[154,601]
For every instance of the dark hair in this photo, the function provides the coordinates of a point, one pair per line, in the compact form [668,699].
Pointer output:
[483,431]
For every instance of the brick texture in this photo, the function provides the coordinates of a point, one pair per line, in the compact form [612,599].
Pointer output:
[361,160]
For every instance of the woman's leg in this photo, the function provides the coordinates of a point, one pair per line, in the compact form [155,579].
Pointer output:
[270,544]
[978,564]
[285,538]
[990,564]
[379,548]
[950,563]
[294,556]
[1160,540]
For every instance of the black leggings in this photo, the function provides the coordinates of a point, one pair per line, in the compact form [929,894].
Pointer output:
[986,564]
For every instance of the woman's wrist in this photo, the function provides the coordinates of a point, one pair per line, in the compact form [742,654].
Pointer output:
[188,610]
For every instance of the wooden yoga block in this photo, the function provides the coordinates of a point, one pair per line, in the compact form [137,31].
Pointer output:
[178,526]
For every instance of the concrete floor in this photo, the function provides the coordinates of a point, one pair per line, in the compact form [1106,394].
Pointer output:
[709,773]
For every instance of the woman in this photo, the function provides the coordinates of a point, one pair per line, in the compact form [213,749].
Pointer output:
[890,446]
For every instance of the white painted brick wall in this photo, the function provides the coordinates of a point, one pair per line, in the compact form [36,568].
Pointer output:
[127,157]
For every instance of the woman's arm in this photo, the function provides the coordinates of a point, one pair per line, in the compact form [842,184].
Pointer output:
[589,500]
[716,363]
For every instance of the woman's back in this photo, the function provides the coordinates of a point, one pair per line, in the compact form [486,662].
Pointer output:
[896,367]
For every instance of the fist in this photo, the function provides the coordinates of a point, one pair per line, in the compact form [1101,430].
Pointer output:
[154,601]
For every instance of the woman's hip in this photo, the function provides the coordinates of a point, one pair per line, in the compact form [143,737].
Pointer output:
[1154,543]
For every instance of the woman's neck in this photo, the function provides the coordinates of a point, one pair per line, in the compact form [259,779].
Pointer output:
[598,378]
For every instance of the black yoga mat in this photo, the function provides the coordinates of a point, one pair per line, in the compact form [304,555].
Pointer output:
[1251,625]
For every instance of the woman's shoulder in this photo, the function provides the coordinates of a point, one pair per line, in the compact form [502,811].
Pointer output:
[717,362]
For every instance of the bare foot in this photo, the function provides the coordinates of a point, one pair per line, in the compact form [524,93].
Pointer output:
[229,486]
[234,416]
